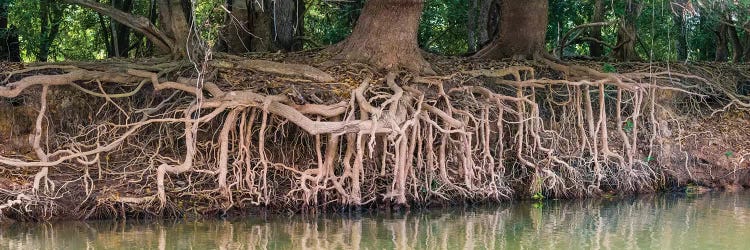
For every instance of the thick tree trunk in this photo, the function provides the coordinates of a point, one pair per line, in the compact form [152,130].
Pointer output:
[734,38]
[747,44]
[9,50]
[174,17]
[596,49]
[263,26]
[521,30]
[386,36]
[275,25]
[627,34]
[237,34]
[487,21]
[722,49]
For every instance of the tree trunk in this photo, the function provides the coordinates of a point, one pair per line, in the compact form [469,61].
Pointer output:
[521,30]
[678,16]
[596,49]
[386,36]
[627,34]
[120,33]
[734,38]
[275,25]
[9,50]
[747,44]
[471,25]
[722,50]
[50,13]
[236,35]
[174,17]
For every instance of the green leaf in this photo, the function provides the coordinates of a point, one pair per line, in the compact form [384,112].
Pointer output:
[609,68]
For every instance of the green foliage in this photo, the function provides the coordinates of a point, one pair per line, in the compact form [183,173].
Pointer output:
[649,159]
[609,68]
[442,30]
[328,23]
[729,154]
[538,196]
[628,126]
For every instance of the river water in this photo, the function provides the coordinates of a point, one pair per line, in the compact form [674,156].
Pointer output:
[709,221]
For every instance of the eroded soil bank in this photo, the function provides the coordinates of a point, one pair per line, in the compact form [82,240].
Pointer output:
[159,138]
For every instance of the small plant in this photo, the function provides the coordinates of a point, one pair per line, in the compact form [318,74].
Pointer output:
[649,159]
[609,68]
[538,196]
[729,154]
[628,126]
[538,205]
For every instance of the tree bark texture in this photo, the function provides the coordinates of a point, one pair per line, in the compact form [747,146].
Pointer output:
[627,33]
[722,49]
[385,36]
[521,32]
[174,18]
[596,49]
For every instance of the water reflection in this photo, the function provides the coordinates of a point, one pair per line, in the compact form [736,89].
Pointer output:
[709,221]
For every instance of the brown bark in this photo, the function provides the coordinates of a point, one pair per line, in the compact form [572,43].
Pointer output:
[722,49]
[734,38]
[263,26]
[521,30]
[596,49]
[386,36]
[627,34]
[236,35]
[174,17]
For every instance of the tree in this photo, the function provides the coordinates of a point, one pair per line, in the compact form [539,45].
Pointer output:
[627,33]
[263,26]
[121,33]
[521,32]
[50,12]
[173,37]
[385,36]
[678,17]
[596,49]
[9,50]
[722,49]
[481,23]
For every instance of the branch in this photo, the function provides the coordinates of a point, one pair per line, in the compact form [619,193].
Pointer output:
[138,23]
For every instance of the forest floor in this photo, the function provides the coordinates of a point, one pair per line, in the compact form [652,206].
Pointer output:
[295,132]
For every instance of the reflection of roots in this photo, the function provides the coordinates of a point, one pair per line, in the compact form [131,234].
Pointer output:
[480,134]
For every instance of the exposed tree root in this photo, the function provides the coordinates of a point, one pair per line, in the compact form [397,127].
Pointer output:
[484,134]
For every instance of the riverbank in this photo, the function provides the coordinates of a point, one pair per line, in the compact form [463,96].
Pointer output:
[292,132]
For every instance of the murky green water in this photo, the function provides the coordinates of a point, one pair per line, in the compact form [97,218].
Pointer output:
[711,221]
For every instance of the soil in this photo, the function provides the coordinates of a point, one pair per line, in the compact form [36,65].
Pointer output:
[697,133]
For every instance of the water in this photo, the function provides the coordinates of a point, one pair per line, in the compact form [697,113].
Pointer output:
[710,221]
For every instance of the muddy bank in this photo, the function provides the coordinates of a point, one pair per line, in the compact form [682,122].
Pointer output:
[155,138]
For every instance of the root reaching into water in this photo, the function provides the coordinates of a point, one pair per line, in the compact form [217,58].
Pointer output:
[196,145]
